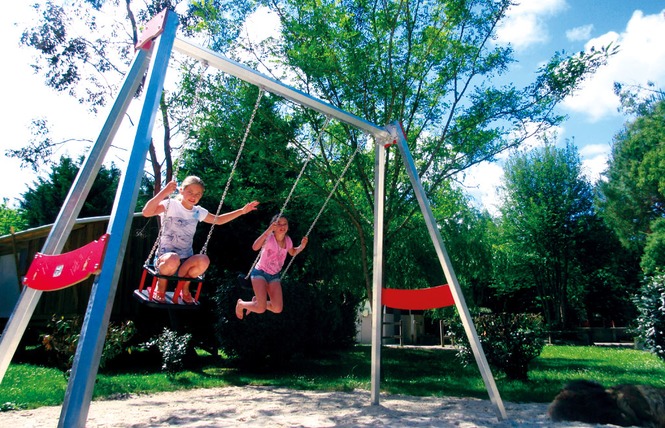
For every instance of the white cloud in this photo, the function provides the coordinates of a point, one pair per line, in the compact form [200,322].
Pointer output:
[524,24]
[641,59]
[579,33]
[594,160]
[262,24]
[481,181]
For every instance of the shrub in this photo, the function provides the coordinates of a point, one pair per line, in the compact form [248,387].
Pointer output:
[651,314]
[510,341]
[62,339]
[315,318]
[172,347]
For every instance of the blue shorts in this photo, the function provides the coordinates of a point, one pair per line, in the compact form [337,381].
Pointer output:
[268,277]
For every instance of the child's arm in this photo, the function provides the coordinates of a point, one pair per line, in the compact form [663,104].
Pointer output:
[258,244]
[297,250]
[232,215]
[153,207]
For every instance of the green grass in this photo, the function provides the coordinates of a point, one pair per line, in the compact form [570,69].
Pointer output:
[412,371]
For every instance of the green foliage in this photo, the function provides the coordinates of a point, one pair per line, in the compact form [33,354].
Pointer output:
[172,347]
[651,319]
[63,334]
[315,318]
[11,219]
[339,49]
[42,201]
[546,212]
[653,258]
[633,195]
[510,341]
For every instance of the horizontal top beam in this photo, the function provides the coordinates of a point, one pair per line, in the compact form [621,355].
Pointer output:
[271,85]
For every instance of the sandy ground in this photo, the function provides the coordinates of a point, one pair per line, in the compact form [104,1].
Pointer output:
[250,406]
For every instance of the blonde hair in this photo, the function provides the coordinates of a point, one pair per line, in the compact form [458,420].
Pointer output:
[192,179]
[188,181]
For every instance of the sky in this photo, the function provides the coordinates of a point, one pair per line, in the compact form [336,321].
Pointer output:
[536,29]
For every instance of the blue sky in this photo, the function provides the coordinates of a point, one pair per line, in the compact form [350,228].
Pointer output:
[539,28]
[535,28]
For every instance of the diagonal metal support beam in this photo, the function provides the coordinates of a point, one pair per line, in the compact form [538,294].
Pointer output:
[446,264]
[95,324]
[71,208]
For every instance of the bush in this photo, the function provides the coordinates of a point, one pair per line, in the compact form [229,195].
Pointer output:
[61,341]
[172,347]
[510,341]
[651,314]
[314,318]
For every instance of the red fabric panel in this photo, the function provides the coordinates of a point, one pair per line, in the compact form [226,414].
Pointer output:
[419,299]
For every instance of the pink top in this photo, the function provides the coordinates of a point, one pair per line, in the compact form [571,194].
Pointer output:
[273,256]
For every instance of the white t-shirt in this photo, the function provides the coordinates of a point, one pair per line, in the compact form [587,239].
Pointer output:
[178,228]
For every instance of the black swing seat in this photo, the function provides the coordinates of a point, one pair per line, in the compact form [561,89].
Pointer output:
[173,300]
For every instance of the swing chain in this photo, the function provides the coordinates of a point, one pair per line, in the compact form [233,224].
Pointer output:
[204,249]
[302,170]
[192,111]
[293,188]
[323,207]
[190,120]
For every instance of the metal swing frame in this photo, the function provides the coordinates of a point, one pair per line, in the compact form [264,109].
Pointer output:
[155,46]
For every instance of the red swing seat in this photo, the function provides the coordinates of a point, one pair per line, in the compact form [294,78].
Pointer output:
[50,272]
[147,287]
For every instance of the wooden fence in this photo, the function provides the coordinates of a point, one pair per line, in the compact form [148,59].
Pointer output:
[17,252]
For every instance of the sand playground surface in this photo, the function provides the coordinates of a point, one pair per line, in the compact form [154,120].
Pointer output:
[252,406]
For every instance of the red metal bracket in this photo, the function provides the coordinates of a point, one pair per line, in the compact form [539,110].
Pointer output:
[58,271]
[418,299]
[153,29]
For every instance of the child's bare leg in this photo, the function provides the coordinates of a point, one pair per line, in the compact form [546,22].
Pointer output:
[276,302]
[191,268]
[161,285]
[258,302]
[167,264]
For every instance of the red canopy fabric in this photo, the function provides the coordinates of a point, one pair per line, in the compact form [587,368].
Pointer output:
[419,299]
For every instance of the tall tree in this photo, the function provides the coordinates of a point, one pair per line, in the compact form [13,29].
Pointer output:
[84,48]
[546,210]
[632,196]
[430,65]
[41,202]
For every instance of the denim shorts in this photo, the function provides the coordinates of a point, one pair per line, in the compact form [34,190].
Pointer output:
[268,277]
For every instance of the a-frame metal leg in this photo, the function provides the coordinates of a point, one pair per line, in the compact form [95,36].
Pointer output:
[377,270]
[88,353]
[71,208]
[455,289]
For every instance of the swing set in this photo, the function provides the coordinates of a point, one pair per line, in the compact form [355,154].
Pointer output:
[145,294]
[104,258]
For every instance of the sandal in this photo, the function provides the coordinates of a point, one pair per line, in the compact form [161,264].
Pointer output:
[187,298]
[159,297]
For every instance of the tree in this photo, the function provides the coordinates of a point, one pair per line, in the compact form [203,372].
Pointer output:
[84,48]
[546,209]
[429,65]
[632,196]
[41,202]
[11,220]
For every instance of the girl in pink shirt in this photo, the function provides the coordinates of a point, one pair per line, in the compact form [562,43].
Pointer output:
[274,244]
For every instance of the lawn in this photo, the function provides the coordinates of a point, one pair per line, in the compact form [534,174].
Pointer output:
[431,371]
